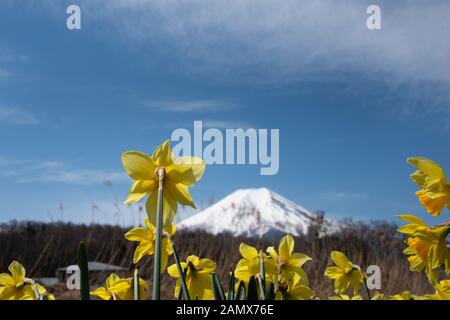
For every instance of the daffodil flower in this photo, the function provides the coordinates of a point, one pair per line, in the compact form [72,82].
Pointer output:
[344,274]
[405,295]
[293,289]
[288,262]
[435,193]
[250,264]
[427,249]
[198,277]
[117,288]
[146,239]
[345,297]
[180,174]
[442,291]
[15,286]
[378,296]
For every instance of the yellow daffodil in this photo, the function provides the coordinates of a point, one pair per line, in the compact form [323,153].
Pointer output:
[146,239]
[15,286]
[198,277]
[427,249]
[293,289]
[406,295]
[345,297]
[180,174]
[442,291]
[378,296]
[344,274]
[117,288]
[435,193]
[250,264]
[288,262]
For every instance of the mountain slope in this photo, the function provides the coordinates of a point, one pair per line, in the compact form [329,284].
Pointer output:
[255,213]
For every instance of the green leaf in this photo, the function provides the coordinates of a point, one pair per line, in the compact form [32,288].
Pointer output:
[217,288]
[270,293]
[182,274]
[84,272]
[136,285]
[231,285]
[252,293]
[241,291]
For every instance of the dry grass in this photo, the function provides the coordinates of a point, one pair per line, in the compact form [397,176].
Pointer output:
[42,248]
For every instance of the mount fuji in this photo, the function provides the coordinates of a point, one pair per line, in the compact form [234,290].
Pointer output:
[257,213]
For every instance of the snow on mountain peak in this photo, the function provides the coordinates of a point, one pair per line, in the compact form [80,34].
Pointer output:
[252,213]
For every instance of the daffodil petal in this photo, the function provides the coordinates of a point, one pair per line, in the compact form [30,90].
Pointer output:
[17,272]
[180,193]
[139,234]
[6,280]
[186,170]
[101,293]
[286,247]
[141,250]
[340,259]
[169,208]
[163,154]
[429,167]
[248,252]
[138,165]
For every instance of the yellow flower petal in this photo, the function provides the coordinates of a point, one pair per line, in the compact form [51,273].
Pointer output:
[186,170]
[298,259]
[334,272]
[412,219]
[101,293]
[139,190]
[6,280]
[271,251]
[429,167]
[17,272]
[340,260]
[248,252]
[286,247]
[142,249]
[162,156]
[138,165]
[180,193]
[139,234]
[169,208]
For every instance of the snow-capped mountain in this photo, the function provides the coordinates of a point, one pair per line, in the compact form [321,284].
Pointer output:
[256,213]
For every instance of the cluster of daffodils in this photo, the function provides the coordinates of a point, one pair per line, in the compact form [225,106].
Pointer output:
[427,247]
[273,274]
[16,286]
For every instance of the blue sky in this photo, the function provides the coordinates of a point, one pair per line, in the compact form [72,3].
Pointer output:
[351,104]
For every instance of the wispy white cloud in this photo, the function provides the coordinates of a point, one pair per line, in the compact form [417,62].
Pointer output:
[29,171]
[189,105]
[225,124]
[17,115]
[287,41]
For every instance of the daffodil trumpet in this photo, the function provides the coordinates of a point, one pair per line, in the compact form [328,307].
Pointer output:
[160,173]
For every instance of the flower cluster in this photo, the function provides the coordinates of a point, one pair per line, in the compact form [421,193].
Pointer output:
[273,274]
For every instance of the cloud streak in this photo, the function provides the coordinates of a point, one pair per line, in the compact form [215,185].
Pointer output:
[32,171]
[189,105]
[16,115]
[288,41]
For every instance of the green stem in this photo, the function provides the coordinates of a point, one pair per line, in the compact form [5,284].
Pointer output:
[367,288]
[136,285]
[183,287]
[160,173]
